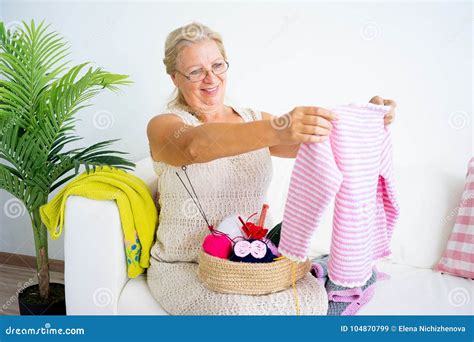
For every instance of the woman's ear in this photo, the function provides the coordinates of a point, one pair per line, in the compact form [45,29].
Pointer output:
[173,78]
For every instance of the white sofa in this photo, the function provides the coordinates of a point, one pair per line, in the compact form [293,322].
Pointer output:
[95,267]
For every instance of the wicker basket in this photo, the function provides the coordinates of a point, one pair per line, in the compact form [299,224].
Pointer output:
[227,276]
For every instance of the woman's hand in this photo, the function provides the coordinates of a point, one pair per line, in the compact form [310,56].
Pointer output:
[390,116]
[304,124]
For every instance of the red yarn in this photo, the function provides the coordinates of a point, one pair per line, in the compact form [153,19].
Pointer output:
[218,245]
[253,231]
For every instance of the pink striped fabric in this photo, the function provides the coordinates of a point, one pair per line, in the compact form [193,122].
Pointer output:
[458,258]
[353,167]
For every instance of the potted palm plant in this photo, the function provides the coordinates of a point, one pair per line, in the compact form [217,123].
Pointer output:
[39,98]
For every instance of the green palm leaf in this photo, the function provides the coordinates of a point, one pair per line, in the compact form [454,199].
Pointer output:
[40,94]
[39,97]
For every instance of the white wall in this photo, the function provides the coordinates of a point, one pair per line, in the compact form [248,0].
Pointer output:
[281,56]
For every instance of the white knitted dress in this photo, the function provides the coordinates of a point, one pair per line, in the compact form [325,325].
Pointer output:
[225,186]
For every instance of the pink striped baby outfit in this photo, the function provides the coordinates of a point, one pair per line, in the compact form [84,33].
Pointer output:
[353,167]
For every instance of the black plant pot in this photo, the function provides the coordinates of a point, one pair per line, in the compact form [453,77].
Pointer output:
[31,303]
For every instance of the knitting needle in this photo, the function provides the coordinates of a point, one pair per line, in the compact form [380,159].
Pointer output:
[198,203]
[246,229]
[263,214]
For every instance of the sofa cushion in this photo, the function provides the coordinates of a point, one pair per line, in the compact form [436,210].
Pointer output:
[418,291]
[136,299]
[409,291]
[458,258]
[427,195]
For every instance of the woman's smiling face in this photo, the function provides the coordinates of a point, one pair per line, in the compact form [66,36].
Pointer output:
[209,92]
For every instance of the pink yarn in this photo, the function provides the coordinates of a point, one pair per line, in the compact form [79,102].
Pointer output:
[217,245]
[272,247]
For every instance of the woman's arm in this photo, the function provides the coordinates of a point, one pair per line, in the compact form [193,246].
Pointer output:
[175,143]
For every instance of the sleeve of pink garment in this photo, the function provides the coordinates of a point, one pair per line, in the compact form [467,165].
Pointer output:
[353,168]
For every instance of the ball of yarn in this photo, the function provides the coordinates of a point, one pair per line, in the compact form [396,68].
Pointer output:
[230,226]
[272,247]
[269,256]
[217,245]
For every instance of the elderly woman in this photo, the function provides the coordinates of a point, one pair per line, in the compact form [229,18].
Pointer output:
[227,151]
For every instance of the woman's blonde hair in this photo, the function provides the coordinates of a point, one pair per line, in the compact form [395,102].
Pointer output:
[179,38]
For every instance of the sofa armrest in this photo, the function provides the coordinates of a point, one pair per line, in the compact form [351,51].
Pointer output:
[95,270]
[94,257]
[144,170]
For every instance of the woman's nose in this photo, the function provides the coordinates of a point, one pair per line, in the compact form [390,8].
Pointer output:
[209,77]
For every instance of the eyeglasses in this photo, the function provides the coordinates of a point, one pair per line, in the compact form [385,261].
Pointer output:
[197,75]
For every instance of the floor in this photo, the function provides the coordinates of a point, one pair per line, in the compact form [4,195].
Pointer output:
[14,278]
